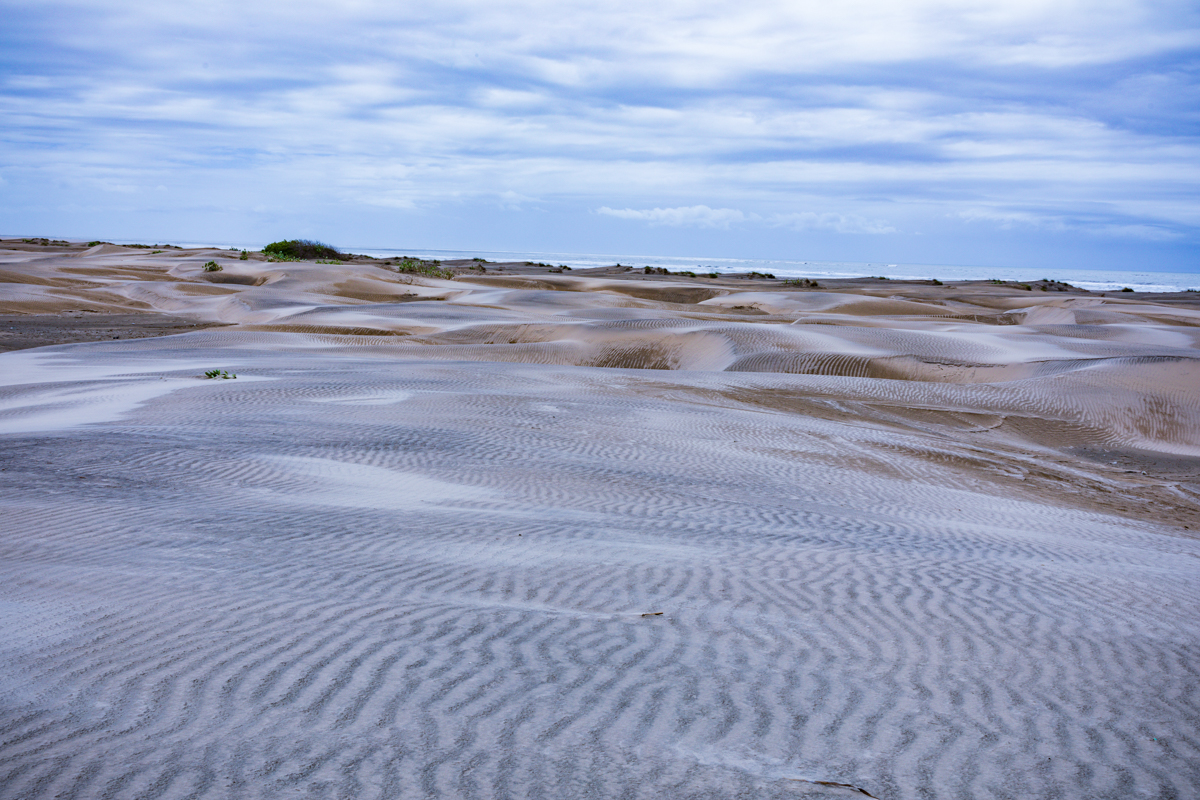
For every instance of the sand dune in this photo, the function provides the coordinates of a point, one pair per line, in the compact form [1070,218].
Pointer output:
[555,536]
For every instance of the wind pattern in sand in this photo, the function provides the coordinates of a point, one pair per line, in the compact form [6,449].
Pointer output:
[579,538]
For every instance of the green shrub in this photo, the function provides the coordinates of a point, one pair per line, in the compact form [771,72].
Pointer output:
[936,282]
[300,250]
[1127,289]
[245,256]
[714,274]
[212,266]
[430,269]
[219,373]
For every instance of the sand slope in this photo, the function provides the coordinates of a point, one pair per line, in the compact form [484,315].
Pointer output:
[924,546]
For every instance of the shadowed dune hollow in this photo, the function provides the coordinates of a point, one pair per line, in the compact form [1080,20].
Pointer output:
[523,534]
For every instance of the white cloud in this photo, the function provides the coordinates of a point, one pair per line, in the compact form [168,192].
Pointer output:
[1006,219]
[1149,233]
[838,223]
[1094,226]
[705,217]
[692,216]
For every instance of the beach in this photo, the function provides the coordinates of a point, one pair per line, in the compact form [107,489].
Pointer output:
[489,530]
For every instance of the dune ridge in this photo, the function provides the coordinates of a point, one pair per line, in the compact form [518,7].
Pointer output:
[541,535]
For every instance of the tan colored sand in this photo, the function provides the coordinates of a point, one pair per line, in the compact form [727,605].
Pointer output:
[927,541]
[1065,377]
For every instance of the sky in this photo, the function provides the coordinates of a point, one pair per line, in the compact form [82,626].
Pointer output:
[1015,133]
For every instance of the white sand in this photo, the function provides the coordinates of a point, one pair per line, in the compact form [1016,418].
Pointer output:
[407,553]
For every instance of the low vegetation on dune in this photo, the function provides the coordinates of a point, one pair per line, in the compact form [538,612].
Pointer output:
[300,250]
[430,269]
[665,271]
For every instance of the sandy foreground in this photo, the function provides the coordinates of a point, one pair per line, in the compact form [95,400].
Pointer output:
[526,534]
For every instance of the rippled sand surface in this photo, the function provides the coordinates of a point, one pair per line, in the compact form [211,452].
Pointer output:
[551,536]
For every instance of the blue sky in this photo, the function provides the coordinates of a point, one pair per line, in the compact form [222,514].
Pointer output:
[1013,133]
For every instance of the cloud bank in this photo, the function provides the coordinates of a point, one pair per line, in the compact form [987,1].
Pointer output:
[705,217]
[925,124]
[698,216]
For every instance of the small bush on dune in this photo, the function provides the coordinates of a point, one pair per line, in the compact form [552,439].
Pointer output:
[300,249]
[212,266]
[431,269]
